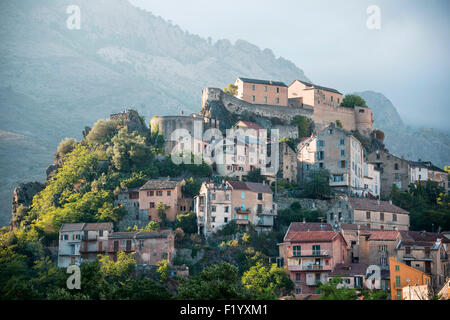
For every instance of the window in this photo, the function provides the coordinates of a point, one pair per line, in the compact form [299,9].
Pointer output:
[394,217]
[100,233]
[260,208]
[242,195]
[343,163]
[151,205]
[260,196]
[320,164]
[213,219]
[298,290]
[278,90]
[407,250]
[320,155]
[213,208]
[397,268]
[159,193]
[297,251]
[298,276]
[396,166]
[331,98]
[226,209]
[225,219]
[338,100]
[316,249]
[265,88]
[265,99]
[278,100]
[253,98]
[227,197]
[66,237]
[399,294]
[253,87]
[342,153]
[382,216]
[342,142]
[320,143]
[169,193]
[427,251]
[397,281]
[368,215]
[213,196]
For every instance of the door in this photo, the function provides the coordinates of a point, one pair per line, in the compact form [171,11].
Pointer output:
[128,248]
[100,246]
[116,246]
[427,267]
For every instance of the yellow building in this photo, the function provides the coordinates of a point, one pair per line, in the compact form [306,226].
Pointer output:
[405,276]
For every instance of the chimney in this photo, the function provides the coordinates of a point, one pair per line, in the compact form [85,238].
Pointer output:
[390,202]
[304,221]
[378,201]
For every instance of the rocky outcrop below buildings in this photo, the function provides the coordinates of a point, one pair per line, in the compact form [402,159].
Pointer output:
[23,196]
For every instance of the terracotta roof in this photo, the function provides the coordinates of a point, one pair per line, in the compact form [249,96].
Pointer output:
[381,235]
[72,227]
[311,236]
[422,237]
[250,125]
[99,226]
[311,226]
[252,186]
[353,226]
[352,269]
[375,205]
[258,81]
[160,184]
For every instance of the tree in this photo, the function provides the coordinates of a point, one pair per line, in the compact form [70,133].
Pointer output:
[163,270]
[266,283]
[255,176]
[161,208]
[191,188]
[304,126]
[231,89]
[102,131]
[120,268]
[152,226]
[187,222]
[352,100]
[215,282]
[66,146]
[330,291]
[317,185]
[339,124]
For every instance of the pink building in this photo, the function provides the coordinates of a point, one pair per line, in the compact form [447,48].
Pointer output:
[149,247]
[310,252]
[257,91]
[169,193]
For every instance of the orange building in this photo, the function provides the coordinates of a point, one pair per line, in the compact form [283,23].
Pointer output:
[257,91]
[402,276]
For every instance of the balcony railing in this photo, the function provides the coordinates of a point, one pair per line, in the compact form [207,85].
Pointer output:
[239,210]
[266,212]
[308,267]
[310,253]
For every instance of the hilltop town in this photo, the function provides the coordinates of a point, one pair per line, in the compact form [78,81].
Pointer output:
[287,182]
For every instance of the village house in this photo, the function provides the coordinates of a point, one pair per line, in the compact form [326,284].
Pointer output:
[266,92]
[342,155]
[376,246]
[81,241]
[404,276]
[310,252]
[375,214]
[314,95]
[427,252]
[393,170]
[129,199]
[288,165]
[167,192]
[372,181]
[213,207]
[353,275]
[422,171]
[306,157]
[148,247]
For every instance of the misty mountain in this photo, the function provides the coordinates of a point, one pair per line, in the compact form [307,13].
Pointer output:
[55,81]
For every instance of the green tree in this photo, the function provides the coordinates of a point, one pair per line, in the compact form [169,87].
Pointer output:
[352,100]
[331,290]
[304,126]
[66,146]
[161,208]
[339,124]
[120,268]
[256,176]
[187,222]
[317,185]
[102,131]
[215,282]
[231,89]
[152,226]
[163,270]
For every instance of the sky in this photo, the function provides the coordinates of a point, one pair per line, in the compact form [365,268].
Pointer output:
[406,58]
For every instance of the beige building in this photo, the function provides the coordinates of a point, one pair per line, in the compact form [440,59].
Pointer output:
[372,181]
[167,192]
[393,170]
[374,214]
[326,104]
[342,155]
[427,252]
[422,171]
[306,156]
[288,165]
[262,91]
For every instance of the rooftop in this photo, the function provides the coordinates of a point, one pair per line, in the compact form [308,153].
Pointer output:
[99,226]
[160,184]
[251,186]
[421,238]
[72,227]
[310,236]
[375,205]
[380,235]
[259,81]
[347,270]
[425,164]
[309,84]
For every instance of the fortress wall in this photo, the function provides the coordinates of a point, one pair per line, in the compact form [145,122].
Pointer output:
[235,105]
[364,120]
[324,115]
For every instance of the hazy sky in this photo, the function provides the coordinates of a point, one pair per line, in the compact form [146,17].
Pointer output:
[407,59]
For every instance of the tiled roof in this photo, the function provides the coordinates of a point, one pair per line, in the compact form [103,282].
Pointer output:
[309,84]
[311,226]
[311,236]
[72,227]
[381,235]
[122,235]
[252,186]
[352,269]
[151,234]
[353,226]
[269,82]
[375,205]
[99,226]
[250,125]
[425,164]
[160,184]
[422,237]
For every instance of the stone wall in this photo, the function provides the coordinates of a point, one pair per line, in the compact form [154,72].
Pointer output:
[306,204]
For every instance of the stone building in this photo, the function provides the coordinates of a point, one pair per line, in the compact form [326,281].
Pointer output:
[129,199]
[95,240]
[393,170]
[422,171]
[258,91]
[326,105]
[306,157]
[149,247]
[427,252]
[342,155]
[352,274]
[375,214]
[166,191]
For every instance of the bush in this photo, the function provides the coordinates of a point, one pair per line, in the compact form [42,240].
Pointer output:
[102,131]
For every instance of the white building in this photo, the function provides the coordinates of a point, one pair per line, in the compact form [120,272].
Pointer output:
[372,180]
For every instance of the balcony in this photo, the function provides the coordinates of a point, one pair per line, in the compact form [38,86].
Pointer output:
[242,221]
[239,210]
[266,212]
[338,183]
[309,267]
[311,253]
[265,223]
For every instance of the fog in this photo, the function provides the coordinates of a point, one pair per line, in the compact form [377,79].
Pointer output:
[406,59]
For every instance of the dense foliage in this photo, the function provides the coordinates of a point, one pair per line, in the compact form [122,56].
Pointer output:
[352,100]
